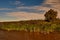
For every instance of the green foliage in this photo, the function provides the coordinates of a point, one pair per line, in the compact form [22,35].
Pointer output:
[57,28]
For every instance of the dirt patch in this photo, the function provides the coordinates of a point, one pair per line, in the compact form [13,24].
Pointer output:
[22,35]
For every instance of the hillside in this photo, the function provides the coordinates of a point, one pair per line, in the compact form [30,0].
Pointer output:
[31,26]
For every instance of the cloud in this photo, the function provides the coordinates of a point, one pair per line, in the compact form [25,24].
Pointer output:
[48,4]
[53,3]
[16,3]
[26,15]
[5,9]
[27,7]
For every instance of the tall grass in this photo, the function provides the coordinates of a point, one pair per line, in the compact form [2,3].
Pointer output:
[31,26]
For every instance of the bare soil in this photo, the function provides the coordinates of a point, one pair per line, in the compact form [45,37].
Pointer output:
[22,35]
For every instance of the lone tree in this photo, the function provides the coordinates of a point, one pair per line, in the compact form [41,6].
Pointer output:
[50,15]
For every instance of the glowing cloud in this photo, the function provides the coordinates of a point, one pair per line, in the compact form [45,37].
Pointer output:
[26,15]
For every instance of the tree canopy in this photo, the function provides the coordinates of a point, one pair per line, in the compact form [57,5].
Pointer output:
[50,15]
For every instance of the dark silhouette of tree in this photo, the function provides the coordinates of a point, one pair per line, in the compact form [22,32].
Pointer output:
[50,15]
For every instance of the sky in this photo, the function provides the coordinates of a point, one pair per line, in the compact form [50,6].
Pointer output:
[16,10]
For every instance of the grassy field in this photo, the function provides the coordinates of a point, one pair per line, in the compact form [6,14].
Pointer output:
[31,26]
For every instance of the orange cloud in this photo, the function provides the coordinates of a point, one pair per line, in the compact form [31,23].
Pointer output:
[26,15]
